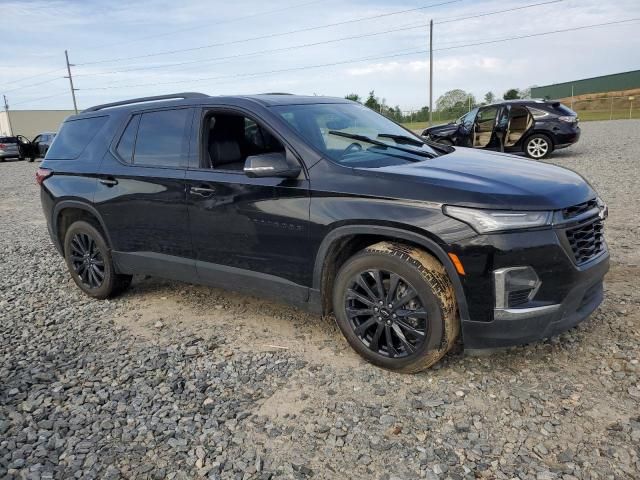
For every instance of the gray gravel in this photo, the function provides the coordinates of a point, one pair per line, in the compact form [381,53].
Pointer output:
[180,381]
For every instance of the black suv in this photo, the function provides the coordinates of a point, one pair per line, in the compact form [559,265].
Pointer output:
[327,205]
[535,127]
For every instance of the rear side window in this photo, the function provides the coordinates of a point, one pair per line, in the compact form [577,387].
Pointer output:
[163,138]
[537,113]
[8,140]
[74,136]
[128,140]
[564,110]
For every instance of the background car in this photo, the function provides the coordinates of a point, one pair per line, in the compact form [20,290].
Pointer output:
[42,143]
[534,127]
[9,148]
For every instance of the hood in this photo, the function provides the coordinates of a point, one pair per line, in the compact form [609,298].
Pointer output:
[481,179]
[443,129]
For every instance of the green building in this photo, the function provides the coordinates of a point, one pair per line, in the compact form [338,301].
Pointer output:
[604,84]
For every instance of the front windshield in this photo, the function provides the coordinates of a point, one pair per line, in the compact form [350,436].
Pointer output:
[330,128]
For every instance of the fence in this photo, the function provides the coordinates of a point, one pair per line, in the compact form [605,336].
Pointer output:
[605,107]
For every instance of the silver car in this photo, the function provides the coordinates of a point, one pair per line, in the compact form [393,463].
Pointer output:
[9,148]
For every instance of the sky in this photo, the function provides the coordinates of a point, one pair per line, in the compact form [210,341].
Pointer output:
[124,49]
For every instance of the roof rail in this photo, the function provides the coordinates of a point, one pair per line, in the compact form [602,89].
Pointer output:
[183,95]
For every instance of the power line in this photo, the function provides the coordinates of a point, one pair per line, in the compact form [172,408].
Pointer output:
[271,35]
[290,69]
[34,76]
[259,52]
[365,58]
[41,98]
[312,44]
[33,84]
[208,25]
[486,14]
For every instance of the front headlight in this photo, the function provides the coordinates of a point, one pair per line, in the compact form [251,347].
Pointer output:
[487,221]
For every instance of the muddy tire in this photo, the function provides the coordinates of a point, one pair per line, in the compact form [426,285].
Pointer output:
[396,307]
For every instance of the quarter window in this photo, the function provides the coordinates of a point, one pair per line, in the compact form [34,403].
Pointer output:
[128,139]
[162,138]
[538,113]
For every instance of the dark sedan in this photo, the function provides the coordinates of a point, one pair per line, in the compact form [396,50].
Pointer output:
[533,127]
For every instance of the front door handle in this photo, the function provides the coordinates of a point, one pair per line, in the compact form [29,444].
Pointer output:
[109,182]
[202,191]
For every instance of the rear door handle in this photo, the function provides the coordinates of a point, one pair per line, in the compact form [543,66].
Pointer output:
[202,191]
[109,182]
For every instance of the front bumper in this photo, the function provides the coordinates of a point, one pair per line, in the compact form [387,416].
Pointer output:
[517,326]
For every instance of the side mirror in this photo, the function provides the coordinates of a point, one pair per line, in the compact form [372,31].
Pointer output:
[270,165]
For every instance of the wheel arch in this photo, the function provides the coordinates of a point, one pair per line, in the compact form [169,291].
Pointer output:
[546,133]
[342,242]
[68,211]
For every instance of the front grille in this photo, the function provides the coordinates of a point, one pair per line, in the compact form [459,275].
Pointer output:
[575,210]
[586,241]
[519,297]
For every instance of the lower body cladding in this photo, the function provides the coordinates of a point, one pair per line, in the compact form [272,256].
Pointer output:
[524,287]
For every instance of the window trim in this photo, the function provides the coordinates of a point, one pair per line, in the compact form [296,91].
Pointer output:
[205,110]
[125,122]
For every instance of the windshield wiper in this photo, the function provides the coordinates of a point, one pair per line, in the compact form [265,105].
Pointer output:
[364,138]
[402,138]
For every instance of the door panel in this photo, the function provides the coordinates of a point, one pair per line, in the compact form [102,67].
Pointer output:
[483,131]
[144,208]
[254,224]
[141,194]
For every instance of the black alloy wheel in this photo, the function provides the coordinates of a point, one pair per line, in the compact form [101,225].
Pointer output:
[386,313]
[396,306]
[87,260]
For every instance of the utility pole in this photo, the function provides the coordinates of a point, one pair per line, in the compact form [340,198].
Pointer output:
[572,96]
[73,90]
[430,72]
[6,109]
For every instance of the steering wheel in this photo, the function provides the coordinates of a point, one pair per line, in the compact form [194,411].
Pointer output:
[354,147]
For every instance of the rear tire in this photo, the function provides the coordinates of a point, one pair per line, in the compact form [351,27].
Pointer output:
[538,146]
[372,311]
[89,262]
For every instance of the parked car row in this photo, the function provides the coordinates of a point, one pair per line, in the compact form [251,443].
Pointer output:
[533,127]
[21,147]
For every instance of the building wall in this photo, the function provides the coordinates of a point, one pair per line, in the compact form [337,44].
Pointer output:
[32,122]
[606,83]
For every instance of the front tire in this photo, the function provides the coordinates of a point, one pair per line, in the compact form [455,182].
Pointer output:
[538,146]
[396,307]
[89,262]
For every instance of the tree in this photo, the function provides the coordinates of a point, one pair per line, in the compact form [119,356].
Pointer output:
[455,103]
[525,92]
[372,101]
[353,96]
[511,94]
[489,97]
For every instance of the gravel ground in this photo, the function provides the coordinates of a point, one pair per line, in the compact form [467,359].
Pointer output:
[180,381]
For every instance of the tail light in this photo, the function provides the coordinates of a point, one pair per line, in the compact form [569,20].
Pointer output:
[42,174]
[2,146]
[568,118]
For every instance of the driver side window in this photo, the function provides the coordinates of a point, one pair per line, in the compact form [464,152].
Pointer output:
[229,138]
[468,119]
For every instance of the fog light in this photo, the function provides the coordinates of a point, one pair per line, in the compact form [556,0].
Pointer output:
[515,286]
